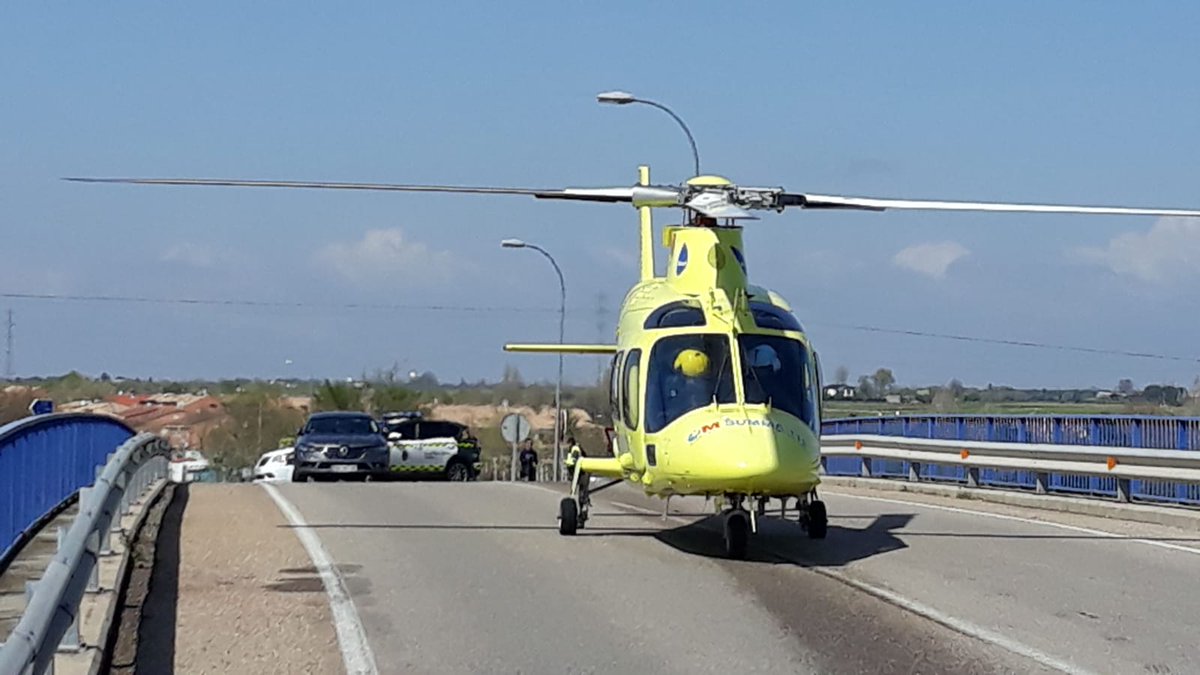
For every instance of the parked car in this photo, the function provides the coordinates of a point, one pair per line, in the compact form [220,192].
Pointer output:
[422,448]
[340,445]
[186,465]
[276,465]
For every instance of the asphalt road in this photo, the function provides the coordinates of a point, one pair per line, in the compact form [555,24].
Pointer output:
[474,577]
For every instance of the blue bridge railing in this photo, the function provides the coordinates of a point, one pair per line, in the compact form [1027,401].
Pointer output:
[1127,431]
[44,461]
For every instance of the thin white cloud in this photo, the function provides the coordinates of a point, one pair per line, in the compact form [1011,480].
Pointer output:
[386,255]
[193,255]
[931,259]
[627,258]
[1169,251]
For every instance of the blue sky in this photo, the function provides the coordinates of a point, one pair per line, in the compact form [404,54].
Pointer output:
[1070,102]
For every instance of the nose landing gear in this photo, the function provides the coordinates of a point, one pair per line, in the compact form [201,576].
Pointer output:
[813,516]
[737,533]
[739,523]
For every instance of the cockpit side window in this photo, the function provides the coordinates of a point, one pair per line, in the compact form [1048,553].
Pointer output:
[630,410]
[774,318]
[776,370]
[614,387]
[686,372]
[675,315]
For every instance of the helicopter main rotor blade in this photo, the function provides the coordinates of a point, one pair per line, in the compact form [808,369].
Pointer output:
[579,194]
[811,201]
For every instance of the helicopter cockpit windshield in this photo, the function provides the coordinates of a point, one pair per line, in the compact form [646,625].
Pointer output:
[776,370]
[687,372]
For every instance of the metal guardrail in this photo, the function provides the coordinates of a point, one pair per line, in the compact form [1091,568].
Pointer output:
[50,622]
[1122,465]
[44,460]
[1178,436]
[1128,431]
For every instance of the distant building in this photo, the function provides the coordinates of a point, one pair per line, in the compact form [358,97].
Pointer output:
[183,419]
[840,392]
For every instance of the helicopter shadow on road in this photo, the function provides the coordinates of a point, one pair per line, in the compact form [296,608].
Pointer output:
[785,542]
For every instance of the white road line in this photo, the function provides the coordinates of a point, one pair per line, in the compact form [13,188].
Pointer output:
[352,639]
[1030,521]
[958,625]
[639,509]
[526,484]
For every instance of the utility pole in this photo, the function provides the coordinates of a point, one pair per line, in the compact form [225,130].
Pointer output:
[8,349]
[602,334]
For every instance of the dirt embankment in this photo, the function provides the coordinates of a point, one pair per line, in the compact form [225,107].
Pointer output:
[481,416]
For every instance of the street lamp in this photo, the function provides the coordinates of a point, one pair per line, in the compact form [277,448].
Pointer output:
[562,314]
[625,98]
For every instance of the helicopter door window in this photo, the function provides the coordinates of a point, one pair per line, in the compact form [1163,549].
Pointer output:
[815,390]
[614,386]
[686,372]
[629,389]
[776,371]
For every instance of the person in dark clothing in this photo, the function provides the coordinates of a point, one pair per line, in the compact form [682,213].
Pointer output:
[529,461]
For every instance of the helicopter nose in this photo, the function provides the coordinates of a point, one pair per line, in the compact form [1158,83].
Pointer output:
[749,446]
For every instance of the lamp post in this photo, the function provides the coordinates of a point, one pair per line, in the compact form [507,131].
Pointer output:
[625,98]
[562,314]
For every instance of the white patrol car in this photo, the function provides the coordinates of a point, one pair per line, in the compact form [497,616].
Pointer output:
[421,448]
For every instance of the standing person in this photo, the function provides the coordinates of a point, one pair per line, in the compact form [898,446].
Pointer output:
[529,461]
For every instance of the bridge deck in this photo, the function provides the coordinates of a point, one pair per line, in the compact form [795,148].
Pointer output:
[474,577]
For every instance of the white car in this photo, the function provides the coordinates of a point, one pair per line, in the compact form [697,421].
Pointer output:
[421,448]
[276,466]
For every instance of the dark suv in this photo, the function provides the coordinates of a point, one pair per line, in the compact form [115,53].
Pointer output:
[340,444]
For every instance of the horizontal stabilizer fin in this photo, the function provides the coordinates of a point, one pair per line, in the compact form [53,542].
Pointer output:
[607,467]
[554,348]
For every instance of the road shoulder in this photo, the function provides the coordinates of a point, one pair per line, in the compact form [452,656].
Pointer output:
[249,599]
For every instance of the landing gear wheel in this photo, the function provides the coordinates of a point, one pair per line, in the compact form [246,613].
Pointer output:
[737,534]
[818,520]
[568,517]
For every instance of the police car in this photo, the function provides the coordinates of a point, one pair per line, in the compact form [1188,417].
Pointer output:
[435,449]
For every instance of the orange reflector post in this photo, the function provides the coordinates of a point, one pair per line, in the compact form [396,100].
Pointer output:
[1112,462]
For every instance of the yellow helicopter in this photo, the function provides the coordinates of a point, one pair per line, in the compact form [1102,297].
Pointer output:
[715,387]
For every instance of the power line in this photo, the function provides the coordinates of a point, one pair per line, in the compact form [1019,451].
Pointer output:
[1012,343]
[268,303]
[600,311]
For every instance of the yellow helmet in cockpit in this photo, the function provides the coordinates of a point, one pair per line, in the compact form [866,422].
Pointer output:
[691,363]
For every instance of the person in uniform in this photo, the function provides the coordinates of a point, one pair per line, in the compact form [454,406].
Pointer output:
[573,455]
